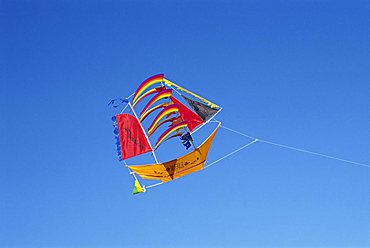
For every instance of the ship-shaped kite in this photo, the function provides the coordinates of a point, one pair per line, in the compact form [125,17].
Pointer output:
[170,118]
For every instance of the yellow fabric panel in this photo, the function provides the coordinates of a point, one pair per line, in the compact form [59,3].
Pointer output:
[137,188]
[189,163]
[209,103]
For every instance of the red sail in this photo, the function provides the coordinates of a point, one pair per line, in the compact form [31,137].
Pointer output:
[187,115]
[131,136]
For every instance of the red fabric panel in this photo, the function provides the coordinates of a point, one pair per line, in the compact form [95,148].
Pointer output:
[187,115]
[131,135]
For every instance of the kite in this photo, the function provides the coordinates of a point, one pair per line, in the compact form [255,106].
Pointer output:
[172,115]
[163,116]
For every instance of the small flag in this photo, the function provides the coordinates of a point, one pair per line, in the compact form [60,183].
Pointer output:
[116,102]
[205,112]
[186,139]
[137,188]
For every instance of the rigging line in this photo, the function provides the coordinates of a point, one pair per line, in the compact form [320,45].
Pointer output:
[231,153]
[298,149]
[131,172]
[126,103]
[175,90]
[153,185]
[237,132]
[124,108]
[134,175]
[130,96]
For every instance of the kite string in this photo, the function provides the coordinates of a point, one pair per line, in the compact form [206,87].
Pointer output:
[231,153]
[237,132]
[297,149]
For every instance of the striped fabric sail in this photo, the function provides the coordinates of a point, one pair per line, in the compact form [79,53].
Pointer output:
[169,131]
[149,92]
[170,109]
[146,84]
[161,95]
[149,111]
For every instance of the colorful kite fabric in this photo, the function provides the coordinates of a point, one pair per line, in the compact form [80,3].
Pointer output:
[132,138]
[116,137]
[175,117]
[149,111]
[146,84]
[172,120]
[172,84]
[149,92]
[156,98]
[177,134]
[167,111]
[205,112]
[186,140]
[173,128]
[192,118]
[137,188]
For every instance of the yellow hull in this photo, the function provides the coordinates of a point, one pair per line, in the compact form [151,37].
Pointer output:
[187,164]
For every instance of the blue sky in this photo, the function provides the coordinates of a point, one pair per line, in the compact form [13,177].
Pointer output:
[291,72]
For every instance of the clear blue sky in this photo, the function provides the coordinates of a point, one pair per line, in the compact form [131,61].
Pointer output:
[293,72]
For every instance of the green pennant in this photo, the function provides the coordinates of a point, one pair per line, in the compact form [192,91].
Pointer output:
[137,188]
